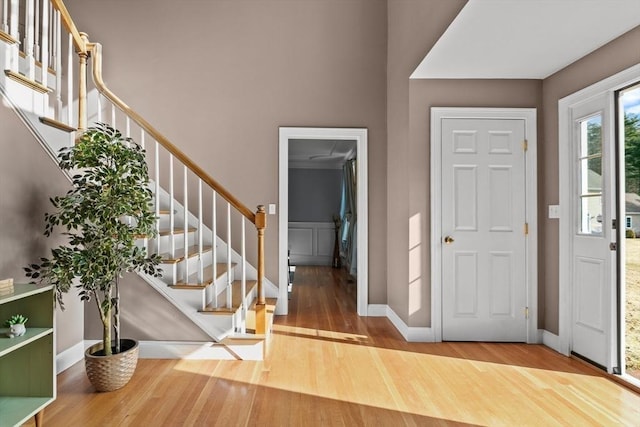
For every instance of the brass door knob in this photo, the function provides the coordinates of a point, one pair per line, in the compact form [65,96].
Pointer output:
[448,240]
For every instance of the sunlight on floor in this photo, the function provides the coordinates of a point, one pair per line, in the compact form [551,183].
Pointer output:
[427,385]
[296,330]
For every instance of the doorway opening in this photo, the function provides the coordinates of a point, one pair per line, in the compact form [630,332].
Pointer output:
[629,255]
[323,205]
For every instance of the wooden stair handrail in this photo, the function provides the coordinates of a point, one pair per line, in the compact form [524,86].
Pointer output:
[96,50]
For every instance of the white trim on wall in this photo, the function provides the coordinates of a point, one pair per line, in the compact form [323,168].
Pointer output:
[360,136]
[69,357]
[607,86]
[529,116]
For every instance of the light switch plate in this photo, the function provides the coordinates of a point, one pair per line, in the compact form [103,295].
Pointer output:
[272,208]
[554,211]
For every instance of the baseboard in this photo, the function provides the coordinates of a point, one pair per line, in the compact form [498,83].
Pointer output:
[69,357]
[551,340]
[410,333]
[377,310]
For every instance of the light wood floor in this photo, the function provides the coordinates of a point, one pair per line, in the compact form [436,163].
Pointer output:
[328,367]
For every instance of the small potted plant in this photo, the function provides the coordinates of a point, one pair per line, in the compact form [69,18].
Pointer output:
[16,325]
[104,214]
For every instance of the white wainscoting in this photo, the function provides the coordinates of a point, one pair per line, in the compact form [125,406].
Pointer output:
[311,243]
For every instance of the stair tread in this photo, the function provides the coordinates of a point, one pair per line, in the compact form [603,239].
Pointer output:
[7,38]
[207,274]
[179,254]
[26,81]
[236,298]
[57,124]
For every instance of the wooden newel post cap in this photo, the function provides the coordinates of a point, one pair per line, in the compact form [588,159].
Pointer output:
[261,217]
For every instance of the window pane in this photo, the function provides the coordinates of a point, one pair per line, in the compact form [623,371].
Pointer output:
[591,136]
[590,177]
[591,215]
[590,188]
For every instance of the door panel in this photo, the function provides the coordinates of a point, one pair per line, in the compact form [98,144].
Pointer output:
[483,220]
[593,207]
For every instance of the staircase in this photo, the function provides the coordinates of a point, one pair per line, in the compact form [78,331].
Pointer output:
[213,272]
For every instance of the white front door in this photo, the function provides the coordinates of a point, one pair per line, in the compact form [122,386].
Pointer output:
[483,225]
[593,210]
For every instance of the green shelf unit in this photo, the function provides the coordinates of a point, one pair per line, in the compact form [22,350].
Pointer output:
[27,363]
[15,411]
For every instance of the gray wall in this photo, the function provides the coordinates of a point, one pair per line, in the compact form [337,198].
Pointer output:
[222,76]
[314,194]
[28,177]
[236,71]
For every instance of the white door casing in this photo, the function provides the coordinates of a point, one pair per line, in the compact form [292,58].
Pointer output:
[569,221]
[360,135]
[483,192]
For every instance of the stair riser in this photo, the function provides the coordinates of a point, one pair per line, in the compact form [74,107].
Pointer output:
[165,242]
[172,273]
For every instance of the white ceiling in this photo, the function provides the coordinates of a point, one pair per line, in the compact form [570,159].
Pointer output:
[320,153]
[525,39]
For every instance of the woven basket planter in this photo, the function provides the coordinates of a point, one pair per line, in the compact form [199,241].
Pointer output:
[108,373]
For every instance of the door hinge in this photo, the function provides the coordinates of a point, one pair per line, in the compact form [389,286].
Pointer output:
[525,145]
[526,228]
[526,312]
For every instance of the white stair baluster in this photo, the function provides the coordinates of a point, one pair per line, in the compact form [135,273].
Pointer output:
[58,64]
[4,26]
[200,235]
[229,283]
[99,114]
[14,33]
[44,55]
[36,33]
[172,242]
[214,247]
[113,116]
[200,260]
[243,313]
[127,124]
[70,56]
[146,238]
[186,225]
[156,193]
[28,40]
